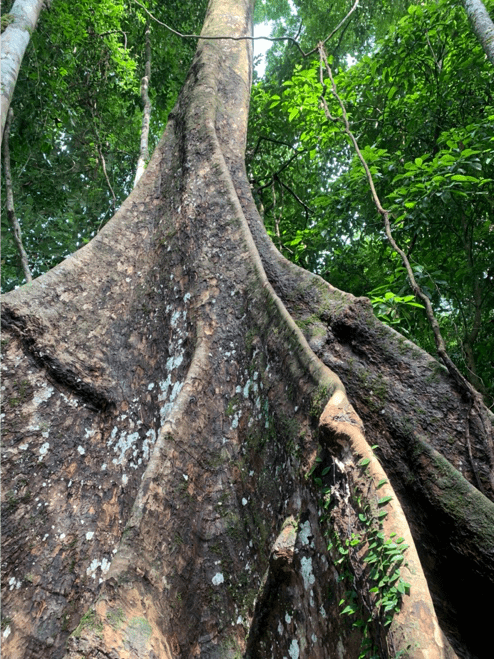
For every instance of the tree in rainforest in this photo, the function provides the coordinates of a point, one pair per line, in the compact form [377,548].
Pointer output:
[209,451]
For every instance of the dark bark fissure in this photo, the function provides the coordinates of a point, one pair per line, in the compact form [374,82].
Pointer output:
[180,519]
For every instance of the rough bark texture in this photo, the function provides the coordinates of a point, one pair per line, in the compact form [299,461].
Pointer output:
[168,391]
[482,24]
[15,39]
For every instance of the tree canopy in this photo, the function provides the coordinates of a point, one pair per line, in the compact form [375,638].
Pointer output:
[417,87]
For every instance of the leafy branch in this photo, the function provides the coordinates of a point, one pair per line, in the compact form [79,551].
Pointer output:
[475,398]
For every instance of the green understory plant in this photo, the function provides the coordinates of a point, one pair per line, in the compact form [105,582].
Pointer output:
[375,597]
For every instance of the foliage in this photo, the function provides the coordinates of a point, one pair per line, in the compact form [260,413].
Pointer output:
[77,110]
[375,590]
[420,106]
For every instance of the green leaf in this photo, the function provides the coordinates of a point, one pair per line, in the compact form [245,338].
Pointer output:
[293,113]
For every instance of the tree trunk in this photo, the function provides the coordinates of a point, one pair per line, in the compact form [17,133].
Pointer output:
[145,124]
[482,24]
[15,39]
[12,217]
[184,476]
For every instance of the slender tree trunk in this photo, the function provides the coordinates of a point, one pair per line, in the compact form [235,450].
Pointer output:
[15,39]
[14,223]
[145,127]
[178,453]
[482,24]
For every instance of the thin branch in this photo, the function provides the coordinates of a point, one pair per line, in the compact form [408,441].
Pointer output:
[10,199]
[275,175]
[351,11]
[104,34]
[285,38]
[307,210]
[103,163]
[271,139]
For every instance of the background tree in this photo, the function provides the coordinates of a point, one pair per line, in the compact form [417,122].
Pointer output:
[185,473]
[17,26]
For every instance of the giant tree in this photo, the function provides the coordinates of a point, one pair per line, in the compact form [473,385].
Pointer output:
[209,451]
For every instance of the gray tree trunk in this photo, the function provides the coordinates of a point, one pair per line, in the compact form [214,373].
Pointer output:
[14,222]
[15,39]
[184,473]
[482,24]
[145,124]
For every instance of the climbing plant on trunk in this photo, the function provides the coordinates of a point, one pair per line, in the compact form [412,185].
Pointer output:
[183,467]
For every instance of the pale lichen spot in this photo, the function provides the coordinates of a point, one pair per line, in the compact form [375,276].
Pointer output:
[175,318]
[43,450]
[307,572]
[294,650]
[217,579]
[104,564]
[305,532]
[235,420]
[174,362]
[43,395]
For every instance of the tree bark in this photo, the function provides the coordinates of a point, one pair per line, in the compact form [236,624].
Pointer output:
[14,222]
[179,446]
[482,24]
[15,39]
